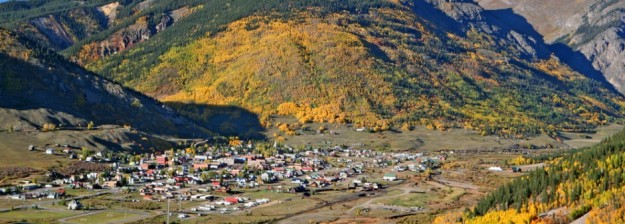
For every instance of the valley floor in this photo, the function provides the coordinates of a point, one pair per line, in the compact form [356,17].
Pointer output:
[461,180]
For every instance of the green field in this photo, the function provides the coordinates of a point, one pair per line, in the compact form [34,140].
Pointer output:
[35,216]
[6,203]
[422,138]
[411,200]
[103,217]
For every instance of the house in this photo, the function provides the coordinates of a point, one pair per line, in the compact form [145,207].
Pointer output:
[390,177]
[109,184]
[162,160]
[60,192]
[144,166]
[232,200]
[29,186]
[200,158]
[50,151]
[74,205]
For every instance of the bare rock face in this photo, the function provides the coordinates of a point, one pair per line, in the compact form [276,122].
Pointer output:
[595,28]
[55,32]
[607,52]
[470,15]
[165,22]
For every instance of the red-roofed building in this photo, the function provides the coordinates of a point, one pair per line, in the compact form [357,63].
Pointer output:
[232,200]
[200,166]
[216,184]
[162,160]
[145,166]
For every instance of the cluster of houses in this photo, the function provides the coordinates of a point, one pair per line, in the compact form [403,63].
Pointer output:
[191,175]
[230,204]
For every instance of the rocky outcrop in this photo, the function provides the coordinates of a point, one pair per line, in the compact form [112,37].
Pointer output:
[165,22]
[607,52]
[110,10]
[130,36]
[594,28]
[117,42]
[464,15]
[54,31]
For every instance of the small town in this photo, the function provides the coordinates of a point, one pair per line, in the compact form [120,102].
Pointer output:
[215,178]
[312,111]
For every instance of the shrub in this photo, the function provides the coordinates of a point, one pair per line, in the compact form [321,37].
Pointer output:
[48,127]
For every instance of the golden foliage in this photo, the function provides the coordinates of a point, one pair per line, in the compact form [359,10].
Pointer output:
[48,127]
[278,52]
[521,160]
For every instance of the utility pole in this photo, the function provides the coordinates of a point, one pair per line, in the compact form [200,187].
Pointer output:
[167,211]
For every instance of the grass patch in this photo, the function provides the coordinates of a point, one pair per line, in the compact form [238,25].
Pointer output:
[34,216]
[6,203]
[103,217]
[410,200]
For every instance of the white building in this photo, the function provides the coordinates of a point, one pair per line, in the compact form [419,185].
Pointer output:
[495,169]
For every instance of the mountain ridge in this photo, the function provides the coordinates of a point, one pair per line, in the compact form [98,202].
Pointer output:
[39,87]
[593,28]
[416,30]
[442,64]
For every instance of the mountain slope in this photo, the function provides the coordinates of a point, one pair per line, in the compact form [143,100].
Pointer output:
[376,63]
[587,181]
[594,28]
[37,87]
[382,63]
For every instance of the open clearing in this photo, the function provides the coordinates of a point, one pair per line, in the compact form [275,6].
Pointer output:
[424,139]
[104,217]
[35,216]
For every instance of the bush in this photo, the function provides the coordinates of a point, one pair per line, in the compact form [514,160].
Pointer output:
[48,127]
[144,205]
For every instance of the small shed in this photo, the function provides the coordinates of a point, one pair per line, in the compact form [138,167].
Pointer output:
[390,177]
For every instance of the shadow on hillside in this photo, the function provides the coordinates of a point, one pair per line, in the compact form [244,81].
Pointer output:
[507,21]
[574,59]
[41,96]
[223,120]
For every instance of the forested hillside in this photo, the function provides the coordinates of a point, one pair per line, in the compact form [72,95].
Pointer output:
[373,63]
[589,181]
[41,90]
